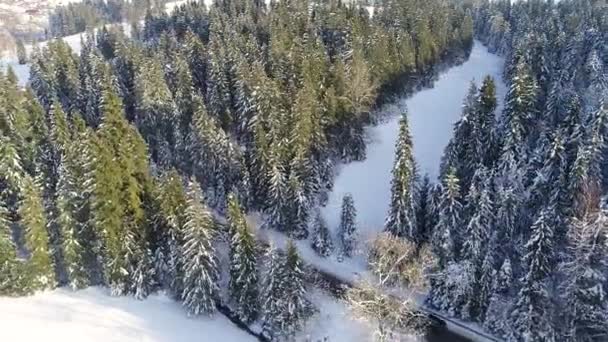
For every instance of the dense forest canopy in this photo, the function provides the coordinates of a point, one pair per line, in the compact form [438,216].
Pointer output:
[521,210]
[132,164]
[120,163]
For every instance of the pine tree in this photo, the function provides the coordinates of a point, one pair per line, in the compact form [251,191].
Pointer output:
[9,282]
[142,274]
[519,112]
[285,306]
[33,219]
[348,225]
[445,233]
[585,286]
[321,240]
[484,127]
[481,210]
[496,316]
[172,203]
[243,264]
[424,209]
[401,220]
[294,302]
[73,253]
[531,318]
[198,257]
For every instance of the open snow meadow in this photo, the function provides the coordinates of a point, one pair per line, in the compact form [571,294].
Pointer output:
[93,315]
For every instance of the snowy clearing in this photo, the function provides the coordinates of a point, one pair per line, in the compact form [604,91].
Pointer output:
[92,315]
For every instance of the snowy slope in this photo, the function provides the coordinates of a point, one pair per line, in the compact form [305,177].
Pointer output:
[334,322]
[92,315]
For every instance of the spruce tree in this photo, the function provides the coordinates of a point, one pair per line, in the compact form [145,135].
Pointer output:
[401,220]
[172,203]
[531,318]
[243,263]
[294,303]
[199,261]
[8,257]
[348,225]
[321,238]
[73,253]
[424,209]
[496,319]
[33,220]
[585,312]
[519,112]
[445,233]
[285,306]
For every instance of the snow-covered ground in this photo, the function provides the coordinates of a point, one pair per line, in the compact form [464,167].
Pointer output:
[92,315]
[334,322]
[432,114]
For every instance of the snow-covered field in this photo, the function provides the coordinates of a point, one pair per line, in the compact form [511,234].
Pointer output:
[92,315]
[432,114]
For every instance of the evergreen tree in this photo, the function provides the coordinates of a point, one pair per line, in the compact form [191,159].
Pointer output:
[531,318]
[445,233]
[33,219]
[348,225]
[9,281]
[285,305]
[480,226]
[401,220]
[73,253]
[272,294]
[424,209]
[172,205]
[198,257]
[484,127]
[496,316]
[321,240]
[585,312]
[243,264]
[519,112]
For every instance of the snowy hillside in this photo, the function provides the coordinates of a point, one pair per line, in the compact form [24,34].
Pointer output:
[94,316]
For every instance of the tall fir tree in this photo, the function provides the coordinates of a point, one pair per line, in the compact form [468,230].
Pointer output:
[531,318]
[243,263]
[200,264]
[321,239]
[445,234]
[34,221]
[348,225]
[401,220]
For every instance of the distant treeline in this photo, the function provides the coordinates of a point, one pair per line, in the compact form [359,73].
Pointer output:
[78,17]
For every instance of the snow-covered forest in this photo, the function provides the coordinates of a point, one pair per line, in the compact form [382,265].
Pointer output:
[190,159]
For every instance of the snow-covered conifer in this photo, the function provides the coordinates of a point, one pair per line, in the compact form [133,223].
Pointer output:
[243,263]
[401,219]
[321,238]
[348,225]
[199,261]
